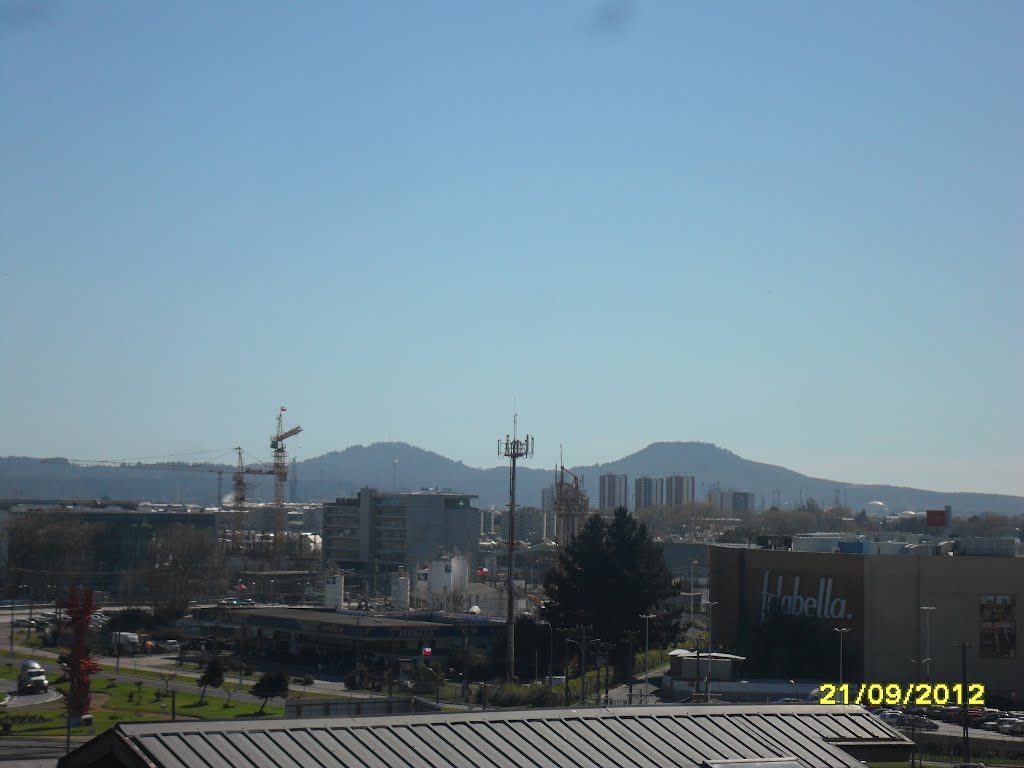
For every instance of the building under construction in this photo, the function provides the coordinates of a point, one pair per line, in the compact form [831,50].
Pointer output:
[572,505]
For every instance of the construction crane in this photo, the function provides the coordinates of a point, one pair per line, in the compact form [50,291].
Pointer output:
[280,472]
[571,506]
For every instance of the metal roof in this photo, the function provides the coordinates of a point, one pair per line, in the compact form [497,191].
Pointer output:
[588,738]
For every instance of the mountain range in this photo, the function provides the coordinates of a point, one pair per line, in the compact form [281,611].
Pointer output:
[399,465]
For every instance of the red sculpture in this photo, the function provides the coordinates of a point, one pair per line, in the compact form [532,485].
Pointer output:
[80,609]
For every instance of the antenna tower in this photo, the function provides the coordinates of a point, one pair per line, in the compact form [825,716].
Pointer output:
[513,448]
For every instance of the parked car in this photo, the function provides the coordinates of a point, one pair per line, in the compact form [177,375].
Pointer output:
[917,722]
[22,623]
[1010,725]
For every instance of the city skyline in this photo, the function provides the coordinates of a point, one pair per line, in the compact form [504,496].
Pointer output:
[410,225]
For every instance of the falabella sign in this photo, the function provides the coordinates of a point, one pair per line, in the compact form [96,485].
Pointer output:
[823,605]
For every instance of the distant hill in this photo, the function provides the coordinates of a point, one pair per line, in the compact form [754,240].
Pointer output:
[342,473]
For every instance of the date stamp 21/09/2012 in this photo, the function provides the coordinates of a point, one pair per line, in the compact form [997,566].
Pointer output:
[918,694]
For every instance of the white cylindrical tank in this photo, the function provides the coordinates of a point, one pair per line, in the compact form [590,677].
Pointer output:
[334,591]
[400,591]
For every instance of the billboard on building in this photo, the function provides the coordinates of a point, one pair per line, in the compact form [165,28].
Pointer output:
[997,629]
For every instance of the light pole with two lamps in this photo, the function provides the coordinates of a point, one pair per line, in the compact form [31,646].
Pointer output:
[551,651]
[842,631]
[707,680]
[647,648]
[927,641]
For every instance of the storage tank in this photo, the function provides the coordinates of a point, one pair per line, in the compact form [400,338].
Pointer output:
[334,591]
[400,591]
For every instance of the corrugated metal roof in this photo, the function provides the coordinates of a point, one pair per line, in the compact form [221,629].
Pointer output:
[585,738]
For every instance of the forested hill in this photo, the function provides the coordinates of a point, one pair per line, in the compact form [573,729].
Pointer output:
[399,465]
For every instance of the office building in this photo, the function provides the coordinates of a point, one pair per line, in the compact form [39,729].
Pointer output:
[379,532]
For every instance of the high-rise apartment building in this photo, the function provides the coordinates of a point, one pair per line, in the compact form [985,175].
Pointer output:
[679,490]
[614,491]
[648,492]
[733,503]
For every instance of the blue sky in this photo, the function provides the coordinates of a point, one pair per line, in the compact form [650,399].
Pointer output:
[790,229]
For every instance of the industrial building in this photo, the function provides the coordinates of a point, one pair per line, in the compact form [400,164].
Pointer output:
[907,614]
[733,736]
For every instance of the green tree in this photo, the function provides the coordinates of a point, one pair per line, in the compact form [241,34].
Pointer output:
[212,675]
[271,685]
[609,576]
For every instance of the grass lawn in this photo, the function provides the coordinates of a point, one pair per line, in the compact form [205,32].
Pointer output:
[123,701]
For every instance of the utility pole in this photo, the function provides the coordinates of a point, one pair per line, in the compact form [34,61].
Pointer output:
[842,631]
[513,449]
[928,641]
[966,756]
[647,650]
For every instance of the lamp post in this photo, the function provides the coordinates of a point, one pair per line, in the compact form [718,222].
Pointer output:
[966,756]
[391,652]
[12,622]
[692,564]
[583,665]
[912,715]
[707,680]
[928,641]
[31,604]
[551,652]
[596,669]
[647,648]
[842,631]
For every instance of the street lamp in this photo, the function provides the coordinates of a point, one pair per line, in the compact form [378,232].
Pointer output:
[647,648]
[391,649]
[692,564]
[928,641]
[707,681]
[841,632]
[597,669]
[583,664]
[551,652]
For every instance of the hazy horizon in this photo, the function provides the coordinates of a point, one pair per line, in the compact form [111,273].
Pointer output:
[791,230]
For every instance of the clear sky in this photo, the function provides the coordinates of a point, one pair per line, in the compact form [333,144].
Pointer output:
[793,229]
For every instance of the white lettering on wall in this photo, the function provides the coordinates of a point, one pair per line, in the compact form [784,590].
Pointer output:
[823,604]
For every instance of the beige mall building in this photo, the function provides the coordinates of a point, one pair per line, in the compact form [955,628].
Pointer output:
[898,608]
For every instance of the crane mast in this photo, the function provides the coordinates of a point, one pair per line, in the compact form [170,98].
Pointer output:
[280,472]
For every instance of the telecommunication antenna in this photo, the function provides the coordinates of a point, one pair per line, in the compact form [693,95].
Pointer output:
[513,448]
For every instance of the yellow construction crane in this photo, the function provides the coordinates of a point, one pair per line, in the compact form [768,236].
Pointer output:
[280,472]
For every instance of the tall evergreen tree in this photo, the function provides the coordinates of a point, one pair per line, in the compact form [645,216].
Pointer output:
[608,576]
